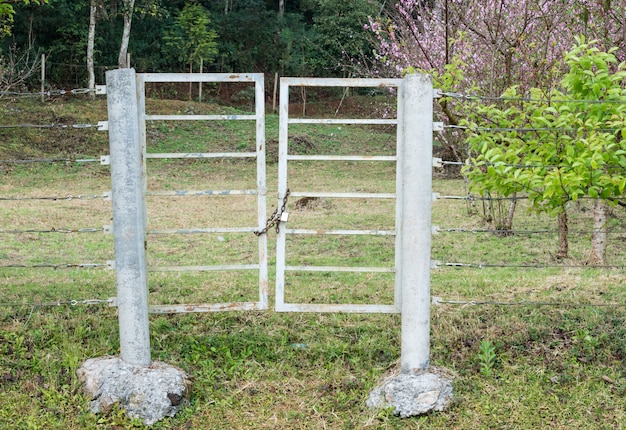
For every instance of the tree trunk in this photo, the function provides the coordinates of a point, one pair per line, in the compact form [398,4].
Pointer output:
[599,234]
[563,241]
[122,60]
[31,36]
[190,83]
[281,7]
[91,84]
[508,222]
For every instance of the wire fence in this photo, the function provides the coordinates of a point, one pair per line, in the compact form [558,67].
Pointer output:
[476,97]
[436,264]
[57,126]
[22,232]
[612,230]
[49,93]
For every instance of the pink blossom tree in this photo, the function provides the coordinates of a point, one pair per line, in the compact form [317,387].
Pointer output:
[484,47]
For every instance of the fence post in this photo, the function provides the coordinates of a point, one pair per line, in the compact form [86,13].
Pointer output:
[129,209]
[415,221]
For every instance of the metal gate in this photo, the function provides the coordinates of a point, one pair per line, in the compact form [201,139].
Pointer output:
[285,156]
[413,204]
[260,191]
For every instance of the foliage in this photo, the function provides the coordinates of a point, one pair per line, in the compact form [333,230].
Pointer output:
[6,18]
[7,12]
[311,37]
[341,43]
[191,39]
[557,147]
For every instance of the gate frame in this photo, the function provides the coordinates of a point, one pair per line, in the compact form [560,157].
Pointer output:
[261,184]
[284,157]
[414,163]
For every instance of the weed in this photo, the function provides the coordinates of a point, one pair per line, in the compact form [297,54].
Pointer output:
[486,357]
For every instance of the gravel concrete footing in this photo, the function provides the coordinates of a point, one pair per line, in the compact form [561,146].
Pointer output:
[149,393]
[412,394]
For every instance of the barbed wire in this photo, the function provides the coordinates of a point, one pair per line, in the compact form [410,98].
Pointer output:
[437,229]
[478,198]
[55,266]
[51,126]
[439,301]
[523,166]
[51,160]
[52,63]
[525,129]
[49,93]
[55,230]
[472,198]
[528,99]
[437,264]
[58,303]
[57,198]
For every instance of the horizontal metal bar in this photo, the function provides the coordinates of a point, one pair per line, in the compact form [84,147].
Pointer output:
[203,193]
[343,157]
[340,269]
[341,82]
[201,77]
[198,117]
[347,308]
[342,121]
[342,232]
[209,307]
[203,155]
[204,230]
[203,268]
[344,195]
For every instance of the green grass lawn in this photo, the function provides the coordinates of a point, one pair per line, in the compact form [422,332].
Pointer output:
[557,334]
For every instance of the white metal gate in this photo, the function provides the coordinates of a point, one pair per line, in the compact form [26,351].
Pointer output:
[413,206]
[285,157]
[260,191]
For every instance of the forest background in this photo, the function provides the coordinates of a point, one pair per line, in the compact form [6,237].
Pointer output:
[293,38]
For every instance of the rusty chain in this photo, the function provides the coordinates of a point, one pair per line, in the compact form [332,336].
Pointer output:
[274,219]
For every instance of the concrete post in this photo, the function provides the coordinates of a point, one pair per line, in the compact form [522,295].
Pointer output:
[129,209]
[416,222]
[417,389]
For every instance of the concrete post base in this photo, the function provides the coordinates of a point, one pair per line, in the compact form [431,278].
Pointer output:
[412,394]
[148,393]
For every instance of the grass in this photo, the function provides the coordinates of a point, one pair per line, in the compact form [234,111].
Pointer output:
[514,366]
